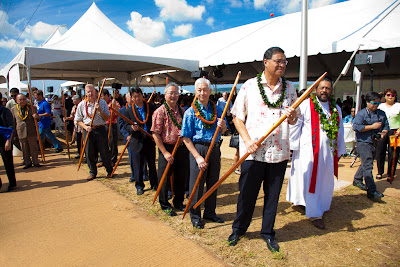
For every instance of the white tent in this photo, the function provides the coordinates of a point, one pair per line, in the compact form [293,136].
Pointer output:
[94,48]
[334,32]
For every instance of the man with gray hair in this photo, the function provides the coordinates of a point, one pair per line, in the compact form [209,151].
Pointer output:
[166,128]
[98,135]
[198,128]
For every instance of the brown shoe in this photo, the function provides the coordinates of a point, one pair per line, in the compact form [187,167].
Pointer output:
[319,223]
[91,177]
[100,164]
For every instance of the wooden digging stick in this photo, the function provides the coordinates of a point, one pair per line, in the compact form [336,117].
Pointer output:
[120,157]
[110,126]
[151,96]
[65,125]
[91,123]
[233,168]
[131,122]
[394,159]
[210,148]
[36,124]
[160,184]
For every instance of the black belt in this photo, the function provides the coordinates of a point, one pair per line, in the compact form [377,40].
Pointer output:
[97,126]
[209,143]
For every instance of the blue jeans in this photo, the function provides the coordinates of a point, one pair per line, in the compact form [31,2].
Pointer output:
[50,135]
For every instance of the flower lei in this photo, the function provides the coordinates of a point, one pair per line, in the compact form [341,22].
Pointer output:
[199,114]
[19,110]
[331,124]
[147,115]
[172,117]
[86,108]
[264,96]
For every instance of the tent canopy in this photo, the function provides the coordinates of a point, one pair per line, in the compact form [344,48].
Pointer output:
[334,32]
[94,48]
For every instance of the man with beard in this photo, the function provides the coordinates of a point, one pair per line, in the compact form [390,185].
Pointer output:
[317,142]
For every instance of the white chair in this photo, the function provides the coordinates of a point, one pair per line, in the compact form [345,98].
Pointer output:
[350,141]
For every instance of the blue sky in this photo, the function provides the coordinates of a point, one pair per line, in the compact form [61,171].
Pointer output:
[154,22]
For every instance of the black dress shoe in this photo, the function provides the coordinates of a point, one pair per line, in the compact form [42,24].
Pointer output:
[27,166]
[170,212]
[198,225]
[360,185]
[180,207]
[131,180]
[37,165]
[272,245]
[319,223]
[77,156]
[1,183]
[214,219]
[233,239]
[375,195]
[140,192]
[11,188]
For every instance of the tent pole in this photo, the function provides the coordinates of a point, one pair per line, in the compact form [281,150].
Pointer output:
[303,53]
[359,90]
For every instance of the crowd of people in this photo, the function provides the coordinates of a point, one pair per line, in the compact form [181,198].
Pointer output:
[182,127]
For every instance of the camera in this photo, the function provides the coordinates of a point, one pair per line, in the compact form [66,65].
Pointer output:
[377,136]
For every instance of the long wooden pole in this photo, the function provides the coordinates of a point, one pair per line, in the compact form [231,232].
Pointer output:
[233,168]
[36,124]
[210,148]
[131,122]
[160,184]
[91,123]
[120,157]
[65,125]
[151,96]
[394,159]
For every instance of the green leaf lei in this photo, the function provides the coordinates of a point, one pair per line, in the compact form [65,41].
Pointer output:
[264,96]
[331,125]
[203,117]
[178,125]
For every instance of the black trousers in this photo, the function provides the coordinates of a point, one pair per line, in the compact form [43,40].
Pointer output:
[253,174]
[138,159]
[180,168]
[78,141]
[210,177]
[96,145]
[367,153]
[381,149]
[8,161]
[113,142]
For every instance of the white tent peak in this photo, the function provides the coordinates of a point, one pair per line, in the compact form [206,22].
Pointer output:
[53,38]
[95,32]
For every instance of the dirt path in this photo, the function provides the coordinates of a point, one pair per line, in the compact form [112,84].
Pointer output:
[56,217]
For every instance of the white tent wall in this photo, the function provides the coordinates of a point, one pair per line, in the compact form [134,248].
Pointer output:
[95,48]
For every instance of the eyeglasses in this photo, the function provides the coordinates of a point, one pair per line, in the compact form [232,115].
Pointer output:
[280,61]
[375,103]
[390,95]
[173,93]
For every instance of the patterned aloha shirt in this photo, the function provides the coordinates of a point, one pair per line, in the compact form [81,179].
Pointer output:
[259,118]
[163,125]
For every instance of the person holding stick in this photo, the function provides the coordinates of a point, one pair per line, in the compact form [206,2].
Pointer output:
[142,147]
[198,127]
[167,123]
[25,126]
[76,99]
[260,103]
[98,134]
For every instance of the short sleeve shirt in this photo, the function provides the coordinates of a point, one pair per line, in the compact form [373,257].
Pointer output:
[44,107]
[259,118]
[193,127]
[83,114]
[164,126]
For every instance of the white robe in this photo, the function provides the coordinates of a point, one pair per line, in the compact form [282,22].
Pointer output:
[302,163]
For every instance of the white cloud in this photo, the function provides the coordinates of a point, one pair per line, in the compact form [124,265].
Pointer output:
[320,3]
[39,32]
[179,10]
[9,43]
[210,2]
[5,27]
[146,30]
[235,3]
[260,4]
[210,21]
[184,30]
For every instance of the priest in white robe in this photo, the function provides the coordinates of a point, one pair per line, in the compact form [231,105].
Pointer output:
[315,154]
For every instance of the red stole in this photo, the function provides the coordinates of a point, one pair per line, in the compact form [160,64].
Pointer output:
[315,144]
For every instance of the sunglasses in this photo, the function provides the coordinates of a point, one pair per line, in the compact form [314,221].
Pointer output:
[375,103]
[390,95]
